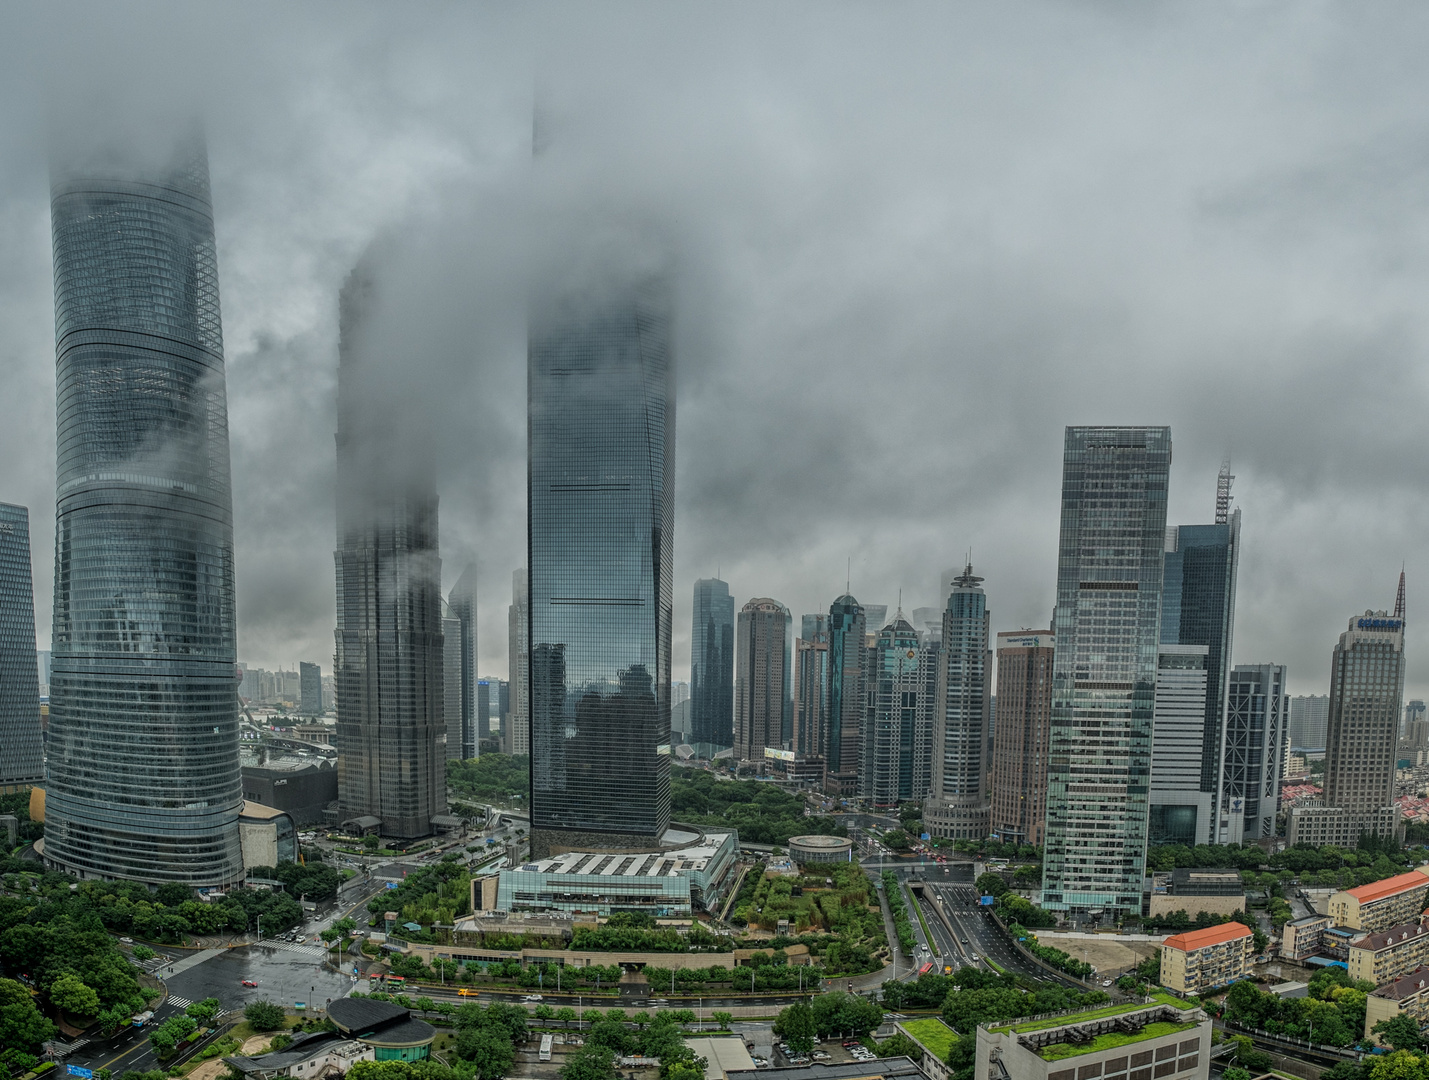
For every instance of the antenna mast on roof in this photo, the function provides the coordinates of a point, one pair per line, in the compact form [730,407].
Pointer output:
[1223,493]
[1399,597]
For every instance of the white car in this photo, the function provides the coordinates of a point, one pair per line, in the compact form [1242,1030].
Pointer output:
[975,958]
[531,998]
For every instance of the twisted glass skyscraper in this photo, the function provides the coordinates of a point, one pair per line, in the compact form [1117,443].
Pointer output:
[601,490]
[143,751]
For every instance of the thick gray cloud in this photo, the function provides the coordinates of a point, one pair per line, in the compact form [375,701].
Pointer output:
[914,242]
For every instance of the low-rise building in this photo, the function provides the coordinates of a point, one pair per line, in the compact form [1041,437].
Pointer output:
[1214,890]
[392,1032]
[1139,1042]
[1382,904]
[891,1068]
[1390,954]
[722,1056]
[1405,996]
[310,1054]
[1303,938]
[1318,826]
[1201,960]
[267,836]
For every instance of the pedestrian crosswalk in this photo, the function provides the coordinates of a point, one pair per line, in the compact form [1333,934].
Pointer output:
[59,1049]
[314,951]
[179,1002]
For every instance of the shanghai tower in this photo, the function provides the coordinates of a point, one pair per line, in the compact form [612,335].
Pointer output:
[143,745]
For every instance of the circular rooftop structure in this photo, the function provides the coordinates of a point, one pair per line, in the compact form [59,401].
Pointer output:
[820,849]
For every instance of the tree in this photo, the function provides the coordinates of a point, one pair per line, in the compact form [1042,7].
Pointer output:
[587,1063]
[693,1069]
[897,839]
[1150,968]
[22,1025]
[565,1014]
[797,1027]
[205,1011]
[610,1034]
[1400,1065]
[1235,1072]
[1401,1032]
[143,952]
[723,1019]
[264,1015]
[488,1048]
[69,994]
[839,1012]
[370,842]
[990,884]
[900,1045]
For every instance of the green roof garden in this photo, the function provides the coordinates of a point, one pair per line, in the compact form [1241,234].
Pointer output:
[1111,1040]
[932,1033]
[1159,997]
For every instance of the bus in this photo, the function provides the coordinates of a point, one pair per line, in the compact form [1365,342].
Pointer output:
[546,1041]
[395,978]
[466,991]
[925,968]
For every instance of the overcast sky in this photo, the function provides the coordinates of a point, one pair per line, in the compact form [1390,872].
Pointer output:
[914,243]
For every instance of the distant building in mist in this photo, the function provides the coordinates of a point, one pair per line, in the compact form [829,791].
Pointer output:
[1309,716]
[759,689]
[143,773]
[22,760]
[601,416]
[712,666]
[462,600]
[516,710]
[310,682]
[389,664]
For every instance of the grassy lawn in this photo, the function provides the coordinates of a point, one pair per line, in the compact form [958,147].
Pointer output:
[1160,997]
[1057,1051]
[932,1033]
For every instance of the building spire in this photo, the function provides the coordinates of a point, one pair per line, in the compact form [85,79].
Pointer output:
[967,580]
[1223,493]
[1399,596]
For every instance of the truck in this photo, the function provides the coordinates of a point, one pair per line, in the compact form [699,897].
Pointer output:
[142,1019]
[546,1041]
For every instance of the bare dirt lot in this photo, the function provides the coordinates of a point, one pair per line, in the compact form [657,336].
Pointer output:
[1108,956]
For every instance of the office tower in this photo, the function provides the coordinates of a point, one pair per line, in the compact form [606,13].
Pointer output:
[811,689]
[1416,726]
[679,693]
[516,710]
[388,668]
[1198,608]
[1366,690]
[1180,810]
[875,615]
[601,505]
[462,600]
[455,740]
[483,708]
[310,683]
[928,621]
[1257,718]
[1019,756]
[1110,567]
[1309,717]
[42,656]
[292,688]
[759,687]
[143,773]
[896,736]
[22,760]
[712,667]
[957,807]
[812,626]
[844,716]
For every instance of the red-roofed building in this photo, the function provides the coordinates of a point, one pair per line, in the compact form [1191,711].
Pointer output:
[1201,960]
[1382,904]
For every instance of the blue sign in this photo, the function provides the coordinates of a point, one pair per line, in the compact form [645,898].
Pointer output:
[987,901]
[1379,624]
[77,1070]
[926,836]
[391,884]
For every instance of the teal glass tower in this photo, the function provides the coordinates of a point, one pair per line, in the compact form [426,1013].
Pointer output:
[1110,569]
[22,759]
[143,774]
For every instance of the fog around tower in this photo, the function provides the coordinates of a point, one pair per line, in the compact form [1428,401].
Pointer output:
[910,244]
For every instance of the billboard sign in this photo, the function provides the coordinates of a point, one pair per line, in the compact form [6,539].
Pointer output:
[775,754]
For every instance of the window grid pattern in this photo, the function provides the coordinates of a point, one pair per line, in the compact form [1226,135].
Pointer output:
[844,714]
[21,745]
[1019,757]
[712,664]
[143,772]
[1256,724]
[759,678]
[1366,688]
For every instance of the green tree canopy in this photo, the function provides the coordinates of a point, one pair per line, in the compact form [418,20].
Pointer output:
[264,1015]
[797,1027]
[22,1025]
[69,994]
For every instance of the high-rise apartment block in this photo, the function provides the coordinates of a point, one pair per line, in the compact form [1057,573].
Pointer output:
[1366,692]
[1110,567]
[310,686]
[516,713]
[1019,755]
[389,663]
[143,774]
[1257,719]
[957,807]
[712,667]
[1309,719]
[601,539]
[759,686]
[22,760]
[462,600]
[1180,809]
[900,681]
[844,715]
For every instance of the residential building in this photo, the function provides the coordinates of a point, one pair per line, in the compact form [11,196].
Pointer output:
[142,770]
[896,725]
[1301,939]
[455,740]
[516,712]
[1362,736]
[811,689]
[1382,904]
[1390,954]
[22,756]
[759,687]
[1019,756]
[844,717]
[389,663]
[1309,719]
[1182,812]
[1405,996]
[712,666]
[1107,626]
[1202,960]
[957,807]
[310,688]
[1145,1039]
[462,600]
[1257,715]
[601,537]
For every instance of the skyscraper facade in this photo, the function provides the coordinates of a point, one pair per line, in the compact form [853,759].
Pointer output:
[958,804]
[1110,568]
[143,774]
[1198,608]
[389,663]
[1019,756]
[1257,722]
[22,761]
[601,505]
[516,711]
[1309,718]
[455,741]
[1180,810]
[896,724]
[844,715]
[759,688]
[712,666]
[811,689]
[310,688]
[462,600]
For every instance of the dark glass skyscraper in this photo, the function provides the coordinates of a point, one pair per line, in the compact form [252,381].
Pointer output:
[958,806]
[600,497]
[143,745]
[712,664]
[844,714]
[22,760]
[462,600]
